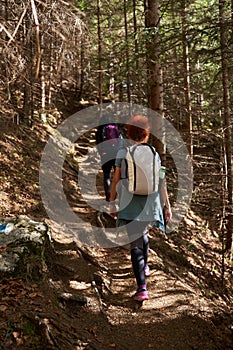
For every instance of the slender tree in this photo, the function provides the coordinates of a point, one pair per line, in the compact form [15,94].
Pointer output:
[136,52]
[186,69]
[227,120]
[100,69]
[127,53]
[155,74]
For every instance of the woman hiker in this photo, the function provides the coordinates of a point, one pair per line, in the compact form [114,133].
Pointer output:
[137,211]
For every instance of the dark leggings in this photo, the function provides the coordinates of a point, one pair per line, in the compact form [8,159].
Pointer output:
[139,249]
[107,167]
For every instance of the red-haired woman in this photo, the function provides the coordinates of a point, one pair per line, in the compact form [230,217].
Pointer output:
[137,211]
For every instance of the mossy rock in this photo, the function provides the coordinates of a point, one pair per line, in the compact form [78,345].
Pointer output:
[26,249]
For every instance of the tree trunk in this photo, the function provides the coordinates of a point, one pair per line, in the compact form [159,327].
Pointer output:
[176,74]
[27,110]
[137,83]
[43,84]
[50,73]
[127,54]
[187,94]
[155,77]
[226,122]
[81,72]
[100,73]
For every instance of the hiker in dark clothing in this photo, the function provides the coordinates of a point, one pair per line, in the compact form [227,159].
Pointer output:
[108,140]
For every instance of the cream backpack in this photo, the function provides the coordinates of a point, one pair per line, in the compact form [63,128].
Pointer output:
[140,168]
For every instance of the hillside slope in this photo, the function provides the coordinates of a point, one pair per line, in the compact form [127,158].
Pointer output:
[84,299]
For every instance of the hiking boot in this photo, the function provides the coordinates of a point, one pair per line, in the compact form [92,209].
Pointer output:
[147,270]
[141,295]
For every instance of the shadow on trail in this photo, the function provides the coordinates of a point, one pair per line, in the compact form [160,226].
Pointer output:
[197,264]
[182,332]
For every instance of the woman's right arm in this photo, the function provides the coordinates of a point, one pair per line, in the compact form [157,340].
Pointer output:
[113,195]
[165,202]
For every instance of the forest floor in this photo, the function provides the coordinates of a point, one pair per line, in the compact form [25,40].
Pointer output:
[84,298]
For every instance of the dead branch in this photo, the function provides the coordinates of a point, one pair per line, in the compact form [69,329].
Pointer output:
[18,25]
[37,38]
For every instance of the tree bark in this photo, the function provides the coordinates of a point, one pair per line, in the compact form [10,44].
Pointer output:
[226,122]
[100,71]
[27,110]
[137,82]
[187,94]
[127,54]
[81,71]
[155,74]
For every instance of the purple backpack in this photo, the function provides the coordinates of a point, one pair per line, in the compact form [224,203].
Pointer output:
[111,135]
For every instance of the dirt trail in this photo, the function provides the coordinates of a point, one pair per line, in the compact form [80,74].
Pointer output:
[177,315]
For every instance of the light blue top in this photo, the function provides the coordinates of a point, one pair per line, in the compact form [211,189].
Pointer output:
[138,207]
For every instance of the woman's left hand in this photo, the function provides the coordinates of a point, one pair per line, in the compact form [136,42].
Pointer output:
[167,214]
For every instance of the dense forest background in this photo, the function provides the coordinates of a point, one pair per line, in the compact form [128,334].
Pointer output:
[175,58]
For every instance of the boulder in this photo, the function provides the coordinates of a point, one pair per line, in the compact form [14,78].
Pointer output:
[25,247]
